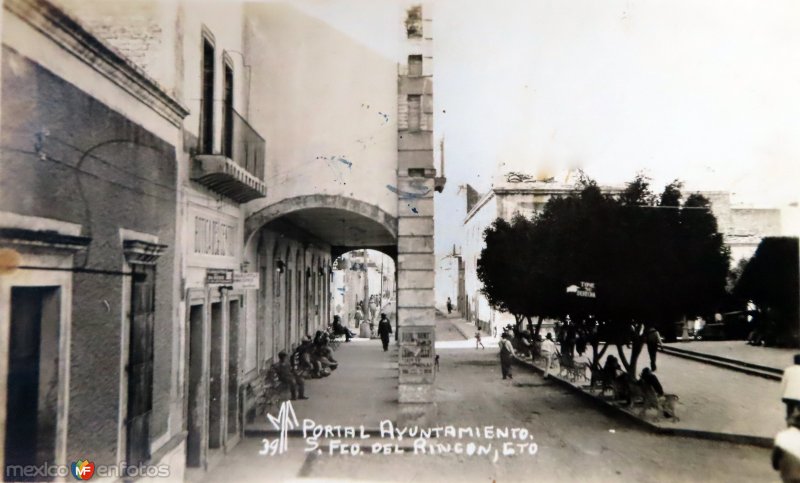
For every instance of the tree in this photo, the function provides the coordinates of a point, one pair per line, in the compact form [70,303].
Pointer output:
[503,266]
[770,280]
[651,259]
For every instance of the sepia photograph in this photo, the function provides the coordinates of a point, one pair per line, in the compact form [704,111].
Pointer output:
[399,241]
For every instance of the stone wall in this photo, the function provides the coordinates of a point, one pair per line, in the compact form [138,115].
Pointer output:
[69,157]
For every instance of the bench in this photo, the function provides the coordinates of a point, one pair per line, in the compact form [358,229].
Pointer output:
[574,370]
[266,391]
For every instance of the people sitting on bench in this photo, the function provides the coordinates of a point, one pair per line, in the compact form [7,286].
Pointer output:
[648,379]
[303,359]
[323,353]
[290,377]
[339,329]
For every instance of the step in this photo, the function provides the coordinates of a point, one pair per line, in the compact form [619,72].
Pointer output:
[726,363]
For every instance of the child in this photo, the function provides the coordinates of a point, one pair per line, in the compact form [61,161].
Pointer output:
[478,340]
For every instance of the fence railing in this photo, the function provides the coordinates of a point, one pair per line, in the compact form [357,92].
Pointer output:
[248,147]
[240,142]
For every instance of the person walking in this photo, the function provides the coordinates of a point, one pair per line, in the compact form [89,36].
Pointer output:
[653,341]
[373,309]
[549,351]
[358,316]
[506,355]
[449,306]
[478,340]
[384,329]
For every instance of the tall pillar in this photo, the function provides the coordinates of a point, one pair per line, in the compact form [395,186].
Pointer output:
[416,173]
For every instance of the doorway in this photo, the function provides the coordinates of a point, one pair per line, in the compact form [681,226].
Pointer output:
[32,387]
[195,416]
[233,368]
[140,364]
[215,380]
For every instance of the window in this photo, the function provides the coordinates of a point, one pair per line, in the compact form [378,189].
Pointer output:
[414,22]
[227,120]
[207,101]
[414,65]
[414,111]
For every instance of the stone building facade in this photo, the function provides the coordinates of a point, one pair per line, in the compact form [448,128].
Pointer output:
[89,196]
[184,173]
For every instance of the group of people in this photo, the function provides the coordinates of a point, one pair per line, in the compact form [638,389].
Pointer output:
[312,358]
[572,338]
[615,377]
[544,346]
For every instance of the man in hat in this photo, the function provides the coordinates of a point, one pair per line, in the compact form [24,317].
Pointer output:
[384,329]
[289,377]
[549,351]
[506,355]
[786,453]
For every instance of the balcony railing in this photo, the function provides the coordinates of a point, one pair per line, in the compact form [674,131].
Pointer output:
[238,172]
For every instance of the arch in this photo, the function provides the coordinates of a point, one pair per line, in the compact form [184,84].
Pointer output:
[287,206]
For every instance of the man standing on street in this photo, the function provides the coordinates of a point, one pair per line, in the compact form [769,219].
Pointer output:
[506,355]
[653,340]
[289,377]
[786,452]
[384,329]
[549,351]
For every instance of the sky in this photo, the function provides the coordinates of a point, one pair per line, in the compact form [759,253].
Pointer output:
[702,91]
[698,90]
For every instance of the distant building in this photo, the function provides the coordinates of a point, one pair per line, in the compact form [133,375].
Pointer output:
[743,228]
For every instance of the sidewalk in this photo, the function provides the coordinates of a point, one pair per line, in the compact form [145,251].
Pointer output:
[740,351]
[714,403]
[362,390]
[468,329]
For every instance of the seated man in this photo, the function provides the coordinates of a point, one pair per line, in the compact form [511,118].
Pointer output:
[649,380]
[340,329]
[303,358]
[324,354]
[614,377]
[289,377]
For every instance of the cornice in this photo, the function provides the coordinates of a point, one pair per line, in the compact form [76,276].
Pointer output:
[71,36]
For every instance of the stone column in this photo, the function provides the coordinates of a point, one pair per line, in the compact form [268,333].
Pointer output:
[415,257]
[415,301]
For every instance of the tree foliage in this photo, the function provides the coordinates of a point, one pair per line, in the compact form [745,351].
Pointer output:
[770,280]
[651,259]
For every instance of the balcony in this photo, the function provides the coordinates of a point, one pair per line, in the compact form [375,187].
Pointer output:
[238,173]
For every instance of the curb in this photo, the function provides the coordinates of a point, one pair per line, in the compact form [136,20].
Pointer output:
[726,363]
[458,327]
[612,409]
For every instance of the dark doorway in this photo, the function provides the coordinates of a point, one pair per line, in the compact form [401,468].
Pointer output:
[32,391]
[140,364]
[215,411]
[289,303]
[194,442]
[233,368]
